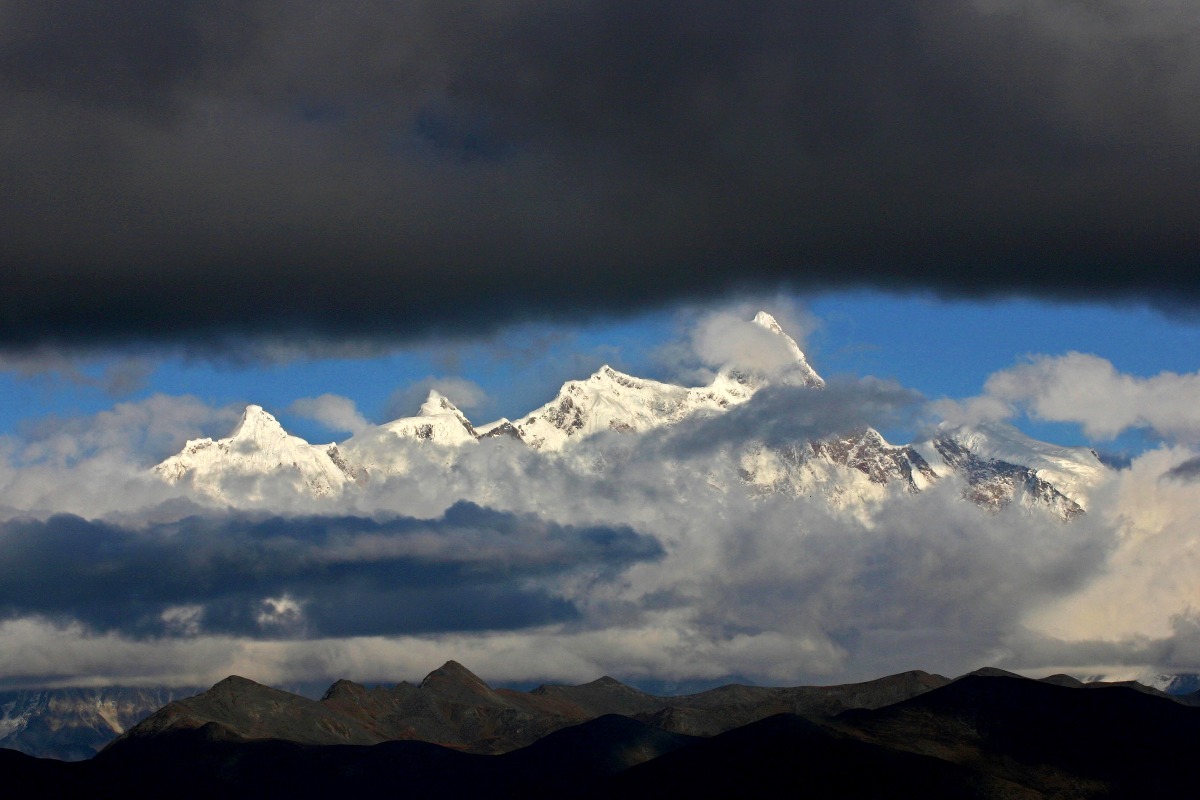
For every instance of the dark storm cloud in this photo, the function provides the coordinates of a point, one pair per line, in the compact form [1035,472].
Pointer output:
[472,569]
[1187,471]
[197,170]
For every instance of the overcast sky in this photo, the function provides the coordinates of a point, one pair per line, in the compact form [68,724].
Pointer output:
[964,211]
[193,172]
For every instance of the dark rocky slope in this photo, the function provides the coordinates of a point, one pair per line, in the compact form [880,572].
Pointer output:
[986,735]
[454,707]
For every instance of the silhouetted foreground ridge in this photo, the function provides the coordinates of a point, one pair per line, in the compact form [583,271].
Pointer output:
[986,735]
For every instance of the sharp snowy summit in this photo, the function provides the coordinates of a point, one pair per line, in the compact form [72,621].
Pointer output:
[995,465]
[258,445]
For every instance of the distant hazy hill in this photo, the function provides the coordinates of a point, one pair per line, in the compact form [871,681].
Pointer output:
[74,724]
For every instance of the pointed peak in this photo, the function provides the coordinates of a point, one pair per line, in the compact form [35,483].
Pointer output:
[455,677]
[452,670]
[607,373]
[765,320]
[801,371]
[437,403]
[255,421]
[343,688]
[872,436]
[606,681]
[236,683]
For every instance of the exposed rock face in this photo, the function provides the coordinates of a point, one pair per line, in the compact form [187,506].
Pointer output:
[243,709]
[994,484]
[1074,471]
[500,428]
[881,462]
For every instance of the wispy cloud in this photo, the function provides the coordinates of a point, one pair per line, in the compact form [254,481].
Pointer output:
[334,412]
[117,376]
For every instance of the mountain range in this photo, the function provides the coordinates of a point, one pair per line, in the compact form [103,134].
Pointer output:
[454,707]
[987,734]
[995,464]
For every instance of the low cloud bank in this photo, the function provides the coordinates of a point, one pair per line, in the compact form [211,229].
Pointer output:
[470,569]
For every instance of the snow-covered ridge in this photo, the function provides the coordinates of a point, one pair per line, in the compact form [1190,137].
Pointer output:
[996,464]
[258,445]
[994,483]
[607,401]
[613,401]
[438,421]
[801,372]
[1072,470]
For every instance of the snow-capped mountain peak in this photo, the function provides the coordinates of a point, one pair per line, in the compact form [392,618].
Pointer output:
[379,448]
[853,469]
[258,426]
[1071,470]
[438,420]
[765,320]
[257,447]
[610,400]
[437,403]
[498,428]
[800,372]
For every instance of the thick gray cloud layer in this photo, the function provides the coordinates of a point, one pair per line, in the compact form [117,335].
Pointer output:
[188,171]
[1187,471]
[472,569]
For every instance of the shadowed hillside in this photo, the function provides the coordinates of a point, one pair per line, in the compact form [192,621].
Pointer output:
[986,735]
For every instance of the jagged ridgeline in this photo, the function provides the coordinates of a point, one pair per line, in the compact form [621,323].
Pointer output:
[995,464]
[454,707]
[987,734]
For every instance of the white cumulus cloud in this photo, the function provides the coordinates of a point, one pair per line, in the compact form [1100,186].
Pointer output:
[1087,390]
[333,411]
